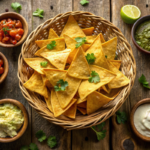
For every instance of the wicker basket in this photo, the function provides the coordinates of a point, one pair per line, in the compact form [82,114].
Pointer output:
[84,19]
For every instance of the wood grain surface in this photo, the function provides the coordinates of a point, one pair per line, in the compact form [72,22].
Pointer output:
[85,139]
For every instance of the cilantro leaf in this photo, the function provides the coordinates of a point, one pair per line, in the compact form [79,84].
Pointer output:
[105,56]
[5,29]
[44,63]
[51,141]
[61,85]
[41,136]
[121,117]
[101,135]
[83,2]
[80,41]
[90,58]
[16,6]
[94,77]
[33,146]
[51,45]
[39,13]
[24,148]
[101,126]
[144,82]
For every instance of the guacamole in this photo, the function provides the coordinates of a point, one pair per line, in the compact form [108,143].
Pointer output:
[11,119]
[142,35]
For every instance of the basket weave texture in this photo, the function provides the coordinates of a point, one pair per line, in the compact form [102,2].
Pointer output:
[85,20]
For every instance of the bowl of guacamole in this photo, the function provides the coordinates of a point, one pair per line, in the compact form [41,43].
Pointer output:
[13,120]
[141,34]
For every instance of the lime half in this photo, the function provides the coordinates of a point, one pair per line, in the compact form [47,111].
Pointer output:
[130,13]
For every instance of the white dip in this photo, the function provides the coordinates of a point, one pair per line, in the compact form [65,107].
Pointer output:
[142,119]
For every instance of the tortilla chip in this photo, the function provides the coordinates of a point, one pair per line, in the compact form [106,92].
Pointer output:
[66,96]
[110,48]
[87,88]
[96,48]
[72,29]
[104,88]
[54,75]
[82,105]
[57,59]
[52,34]
[81,100]
[116,63]
[48,102]
[102,38]
[57,110]
[46,82]
[120,80]
[34,63]
[95,101]
[71,112]
[60,44]
[82,110]
[85,47]
[35,84]
[88,31]
[90,39]
[79,67]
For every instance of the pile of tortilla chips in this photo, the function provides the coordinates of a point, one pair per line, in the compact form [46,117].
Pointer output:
[66,63]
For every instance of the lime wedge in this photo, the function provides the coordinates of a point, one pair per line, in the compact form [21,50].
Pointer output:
[130,13]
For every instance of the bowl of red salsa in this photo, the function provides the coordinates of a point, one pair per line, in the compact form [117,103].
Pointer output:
[13,29]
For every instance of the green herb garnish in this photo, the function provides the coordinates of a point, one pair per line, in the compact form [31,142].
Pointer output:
[51,141]
[83,2]
[51,45]
[80,41]
[39,13]
[121,117]
[16,6]
[105,56]
[94,77]
[44,63]
[61,85]
[5,29]
[144,82]
[33,146]
[90,58]
[24,148]
[41,136]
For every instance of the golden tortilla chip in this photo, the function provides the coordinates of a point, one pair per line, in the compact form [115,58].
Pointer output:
[71,112]
[48,102]
[82,110]
[66,96]
[81,100]
[116,63]
[110,48]
[85,47]
[72,29]
[57,59]
[34,63]
[35,84]
[54,75]
[46,82]
[52,34]
[82,105]
[57,110]
[88,31]
[60,44]
[104,88]
[102,38]
[79,67]
[90,39]
[120,80]
[87,88]
[95,101]
[96,49]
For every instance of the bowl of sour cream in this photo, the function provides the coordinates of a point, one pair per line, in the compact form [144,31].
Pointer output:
[13,120]
[140,119]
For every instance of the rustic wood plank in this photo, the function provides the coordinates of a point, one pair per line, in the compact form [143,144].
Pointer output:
[10,87]
[119,132]
[86,139]
[51,8]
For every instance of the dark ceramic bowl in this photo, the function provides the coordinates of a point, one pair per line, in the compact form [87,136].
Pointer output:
[135,25]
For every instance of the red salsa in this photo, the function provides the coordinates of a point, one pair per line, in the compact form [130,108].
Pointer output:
[11,31]
[1,66]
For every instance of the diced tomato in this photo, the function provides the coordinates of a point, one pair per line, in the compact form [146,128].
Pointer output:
[1,70]
[3,21]
[14,42]
[1,62]
[5,39]
[17,37]
[9,19]
[20,31]
[13,33]
[18,24]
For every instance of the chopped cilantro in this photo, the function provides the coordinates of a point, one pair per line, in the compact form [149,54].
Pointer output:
[51,141]
[121,117]
[90,58]
[24,148]
[94,77]
[105,56]
[5,29]
[16,6]
[33,146]
[61,85]
[39,13]
[51,45]
[41,136]
[80,41]
[83,2]
[144,82]
[44,63]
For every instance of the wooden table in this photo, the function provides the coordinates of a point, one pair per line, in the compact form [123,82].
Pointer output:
[78,139]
